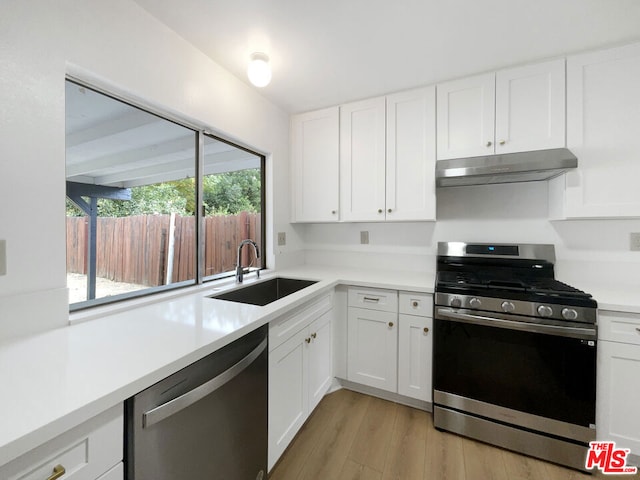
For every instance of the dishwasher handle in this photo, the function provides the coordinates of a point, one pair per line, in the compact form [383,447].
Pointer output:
[172,407]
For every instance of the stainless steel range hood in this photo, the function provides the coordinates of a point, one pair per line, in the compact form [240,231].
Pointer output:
[507,168]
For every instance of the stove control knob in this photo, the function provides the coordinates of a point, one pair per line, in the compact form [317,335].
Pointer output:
[508,307]
[569,314]
[475,302]
[455,302]
[545,311]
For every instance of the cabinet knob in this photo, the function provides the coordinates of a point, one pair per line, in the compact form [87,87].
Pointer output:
[425,329]
[314,335]
[333,212]
[391,324]
[637,329]
[502,142]
[379,210]
[307,340]
[389,210]
[58,471]
[489,143]
[414,304]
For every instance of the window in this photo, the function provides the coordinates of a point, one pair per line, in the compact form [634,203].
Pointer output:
[135,215]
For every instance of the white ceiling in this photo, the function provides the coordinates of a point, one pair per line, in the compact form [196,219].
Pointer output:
[331,51]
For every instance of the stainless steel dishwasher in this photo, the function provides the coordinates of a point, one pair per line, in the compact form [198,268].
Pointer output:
[206,421]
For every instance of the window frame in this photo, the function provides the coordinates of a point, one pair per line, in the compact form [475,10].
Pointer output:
[200,133]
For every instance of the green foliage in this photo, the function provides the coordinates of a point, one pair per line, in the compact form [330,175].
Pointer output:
[232,192]
[223,194]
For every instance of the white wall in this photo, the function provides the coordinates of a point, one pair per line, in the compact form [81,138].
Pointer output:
[117,45]
[589,252]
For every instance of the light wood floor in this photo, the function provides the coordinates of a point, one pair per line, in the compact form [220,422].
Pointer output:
[351,436]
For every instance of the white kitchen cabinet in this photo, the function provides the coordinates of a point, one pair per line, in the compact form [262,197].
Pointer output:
[465,117]
[618,395]
[415,345]
[300,371]
[514,110]
[315,166]
[411,155]
[90,451]
[372,340]
[387,158]
[320,355]
[362,160]
[603,113]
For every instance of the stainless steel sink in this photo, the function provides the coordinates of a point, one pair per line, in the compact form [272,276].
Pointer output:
[264,293]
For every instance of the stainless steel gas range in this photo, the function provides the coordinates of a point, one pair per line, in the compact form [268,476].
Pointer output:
[514,351]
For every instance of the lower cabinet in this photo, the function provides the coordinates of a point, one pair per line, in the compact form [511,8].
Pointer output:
[90,451]
[389,341]
[300,372]
[372,351]
[415,352]
[618,396]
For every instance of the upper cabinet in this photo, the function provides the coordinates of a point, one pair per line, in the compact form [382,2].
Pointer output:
[411,155]
[514,110]
[315,165]
[362,160]
[387,158]
[466,117]
[603,114]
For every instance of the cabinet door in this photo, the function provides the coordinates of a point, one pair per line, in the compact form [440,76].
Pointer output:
[603,115]
[315,166]
[530,107]
[362,161]
[287,393]
[320,364]
[618,414]
[411,155]
[372,348]
[415,347]
[466,113]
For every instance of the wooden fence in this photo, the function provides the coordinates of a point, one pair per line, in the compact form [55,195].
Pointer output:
[137,249]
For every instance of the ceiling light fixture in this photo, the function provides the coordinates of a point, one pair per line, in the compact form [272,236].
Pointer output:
[259,71]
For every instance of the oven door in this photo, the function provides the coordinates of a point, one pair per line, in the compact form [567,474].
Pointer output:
[537,376]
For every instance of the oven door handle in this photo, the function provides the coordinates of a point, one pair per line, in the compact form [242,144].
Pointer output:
[574,332]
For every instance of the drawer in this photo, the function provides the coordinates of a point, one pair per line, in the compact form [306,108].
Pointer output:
[420,304]
[86,452]
[619,327]
[373,299]
[282,328]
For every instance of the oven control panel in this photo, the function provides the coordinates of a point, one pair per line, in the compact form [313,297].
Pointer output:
[518,307]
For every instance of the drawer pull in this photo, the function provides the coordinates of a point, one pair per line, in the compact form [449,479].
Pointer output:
[414,304]
[425,329]
[371,299]
[638,329]
[308,340]
[391,324]
[58,471]
[314,335]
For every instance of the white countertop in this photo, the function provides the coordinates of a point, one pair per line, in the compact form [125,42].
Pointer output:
[56,380]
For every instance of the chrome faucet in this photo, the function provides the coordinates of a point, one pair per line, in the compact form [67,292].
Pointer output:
[239,270]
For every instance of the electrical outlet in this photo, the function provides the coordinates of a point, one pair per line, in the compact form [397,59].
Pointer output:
[634,241]
[3,257]
[364,237]
[282,238]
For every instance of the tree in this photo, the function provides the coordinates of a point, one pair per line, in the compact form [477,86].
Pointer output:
[232,192]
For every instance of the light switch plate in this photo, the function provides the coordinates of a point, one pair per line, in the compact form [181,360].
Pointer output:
[634,241]
[364,237]
[282,238]
[3,257]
